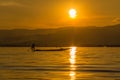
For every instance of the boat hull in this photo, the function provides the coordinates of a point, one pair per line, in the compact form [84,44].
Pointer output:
[50,49]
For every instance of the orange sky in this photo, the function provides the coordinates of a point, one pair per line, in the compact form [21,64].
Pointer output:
[54,13]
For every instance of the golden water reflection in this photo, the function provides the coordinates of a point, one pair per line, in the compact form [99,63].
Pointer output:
[72,63]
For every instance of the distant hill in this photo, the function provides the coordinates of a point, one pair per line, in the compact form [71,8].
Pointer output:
[80,36]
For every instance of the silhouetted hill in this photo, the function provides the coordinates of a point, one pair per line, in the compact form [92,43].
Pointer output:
[80,36]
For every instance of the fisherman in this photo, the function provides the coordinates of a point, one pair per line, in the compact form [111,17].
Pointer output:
[33,47]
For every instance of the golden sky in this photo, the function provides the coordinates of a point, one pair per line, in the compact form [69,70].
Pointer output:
[54,13]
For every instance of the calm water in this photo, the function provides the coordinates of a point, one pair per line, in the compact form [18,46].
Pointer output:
[83,63]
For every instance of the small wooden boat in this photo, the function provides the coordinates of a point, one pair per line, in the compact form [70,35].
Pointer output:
[61,49]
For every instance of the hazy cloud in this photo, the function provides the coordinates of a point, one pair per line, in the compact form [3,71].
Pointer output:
[116,20]
[10,3]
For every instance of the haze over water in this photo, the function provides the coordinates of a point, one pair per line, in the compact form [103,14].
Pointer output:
[79,63]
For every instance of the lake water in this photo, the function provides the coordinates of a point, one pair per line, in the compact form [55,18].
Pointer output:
[82,63]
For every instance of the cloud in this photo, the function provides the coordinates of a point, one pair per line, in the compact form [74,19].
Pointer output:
[116,20]
[7,4]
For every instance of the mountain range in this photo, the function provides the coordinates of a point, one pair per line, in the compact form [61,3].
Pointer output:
[67,36]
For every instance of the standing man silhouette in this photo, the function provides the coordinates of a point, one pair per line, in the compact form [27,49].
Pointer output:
[33,47]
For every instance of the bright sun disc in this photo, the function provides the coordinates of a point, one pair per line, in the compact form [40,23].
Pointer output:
[72,13]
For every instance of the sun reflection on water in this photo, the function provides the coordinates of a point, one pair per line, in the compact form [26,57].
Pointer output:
[72,63]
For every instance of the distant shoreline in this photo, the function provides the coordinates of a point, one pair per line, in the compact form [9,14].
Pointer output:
[63,46]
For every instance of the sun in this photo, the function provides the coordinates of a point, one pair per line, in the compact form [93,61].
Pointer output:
[72,13]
